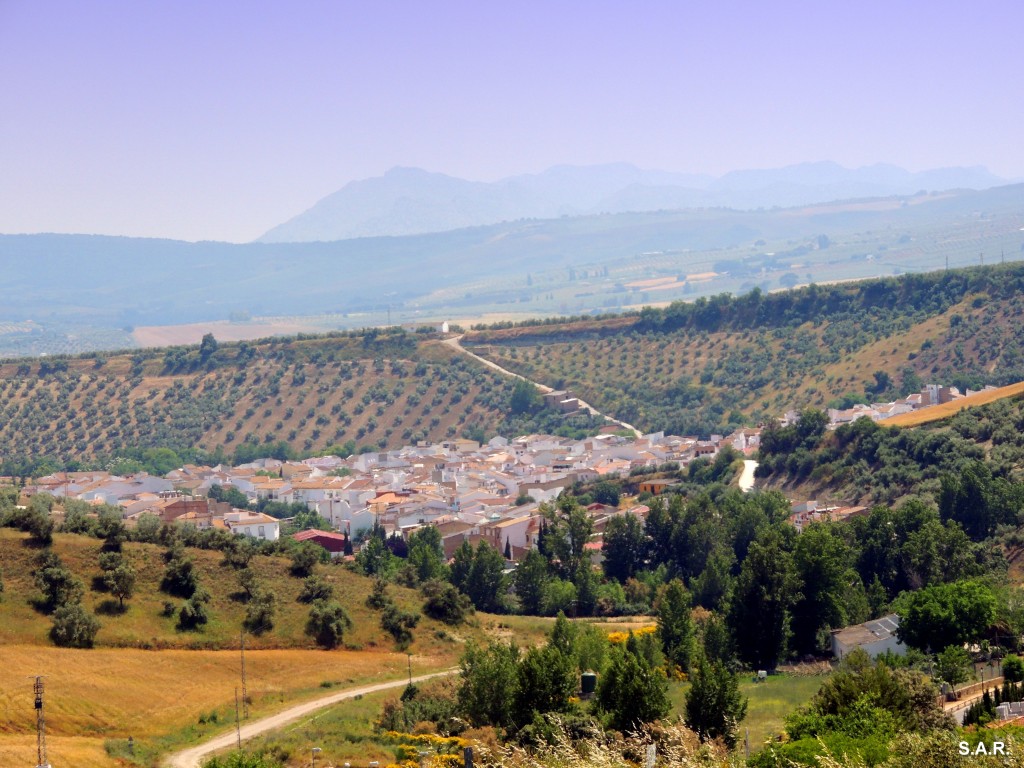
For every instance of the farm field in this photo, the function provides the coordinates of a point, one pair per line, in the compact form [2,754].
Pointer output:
[161,698]
[940,412]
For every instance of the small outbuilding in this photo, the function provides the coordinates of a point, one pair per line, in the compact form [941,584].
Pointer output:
[874,637]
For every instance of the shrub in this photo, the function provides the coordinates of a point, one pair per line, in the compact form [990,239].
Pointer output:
[73,627]
[399,624]
[1013,668]
[328,623]
[445,603]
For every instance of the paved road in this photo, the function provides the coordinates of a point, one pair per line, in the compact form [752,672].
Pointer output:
[454,343]
[194,756]
[746,481]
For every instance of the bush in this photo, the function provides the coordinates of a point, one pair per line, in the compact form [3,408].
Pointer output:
[259,614]
[1013,669]
[445,603]
[399,624]
[328,623]
[73,627]
[315,588]
[193,613]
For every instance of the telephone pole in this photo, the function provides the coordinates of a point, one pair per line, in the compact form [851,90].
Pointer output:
[37,688]
[245,690]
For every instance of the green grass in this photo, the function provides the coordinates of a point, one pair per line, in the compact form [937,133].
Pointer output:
[768,703]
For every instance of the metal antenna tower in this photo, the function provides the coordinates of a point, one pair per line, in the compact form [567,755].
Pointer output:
[37,688]
[245,690]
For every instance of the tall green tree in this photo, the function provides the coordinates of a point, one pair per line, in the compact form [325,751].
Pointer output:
[489,684]
[632,691]
[487,579]
[942,615]
[625,547]
[714,706]
[426,554]
[766,590]
[822,560]
[530,578]
[675,626]
[547,680]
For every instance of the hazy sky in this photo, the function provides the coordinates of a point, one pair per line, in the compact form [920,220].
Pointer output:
[220,119]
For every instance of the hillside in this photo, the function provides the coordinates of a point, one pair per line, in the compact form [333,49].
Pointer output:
[367,390]
[523,269]
[711,365]
[144,626]
[163,686]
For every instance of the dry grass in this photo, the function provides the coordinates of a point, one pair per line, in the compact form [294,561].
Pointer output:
[939,412]
[113,693]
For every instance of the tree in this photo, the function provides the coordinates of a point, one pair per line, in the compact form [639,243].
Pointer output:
[607,492]
[445,603]
[489,684]
[547,679]
[328,623]
[120,582]
[675,627]
[207,347]
[765,592]
[239,552]
[714,706]
[569,527]
[40,527]
[59,586]
[529,579]
[399,624]
[632,691]
[480,574]
[315,588]
[259,613]
[625,547]
[426,553]
[305,557]
[525,397]
[823,565]
[374,557]
[179,575]
[193,613]
[112,530]
[946,614]
[951,665]
[73,627]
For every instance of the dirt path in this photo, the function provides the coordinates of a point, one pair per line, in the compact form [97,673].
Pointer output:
[194,756]
[455,344]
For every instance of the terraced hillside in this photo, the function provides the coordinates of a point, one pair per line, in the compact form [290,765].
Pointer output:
[372,390]
[712,364]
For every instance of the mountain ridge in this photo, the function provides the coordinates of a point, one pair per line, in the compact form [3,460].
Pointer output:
[411,201]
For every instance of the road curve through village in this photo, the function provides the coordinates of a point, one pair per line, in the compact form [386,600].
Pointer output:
[193,757]
[455,343]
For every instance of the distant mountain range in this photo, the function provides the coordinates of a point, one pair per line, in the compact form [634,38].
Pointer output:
[410,201]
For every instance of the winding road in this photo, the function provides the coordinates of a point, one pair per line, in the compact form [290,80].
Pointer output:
[193,757]
[455,343]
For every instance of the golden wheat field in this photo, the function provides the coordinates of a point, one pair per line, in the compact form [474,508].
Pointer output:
[100,694]
[939,412]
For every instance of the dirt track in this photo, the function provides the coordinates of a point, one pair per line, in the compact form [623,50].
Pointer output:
[454,343]
[194,756]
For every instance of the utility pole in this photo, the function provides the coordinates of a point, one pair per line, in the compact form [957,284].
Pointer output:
[37,688]
[238,724]
[245,690]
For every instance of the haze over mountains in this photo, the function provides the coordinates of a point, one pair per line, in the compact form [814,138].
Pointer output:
[408,201]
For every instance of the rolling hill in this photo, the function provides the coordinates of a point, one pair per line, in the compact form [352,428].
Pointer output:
[518,270]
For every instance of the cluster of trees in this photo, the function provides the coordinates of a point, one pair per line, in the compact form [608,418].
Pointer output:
[867,461]
[512,689]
